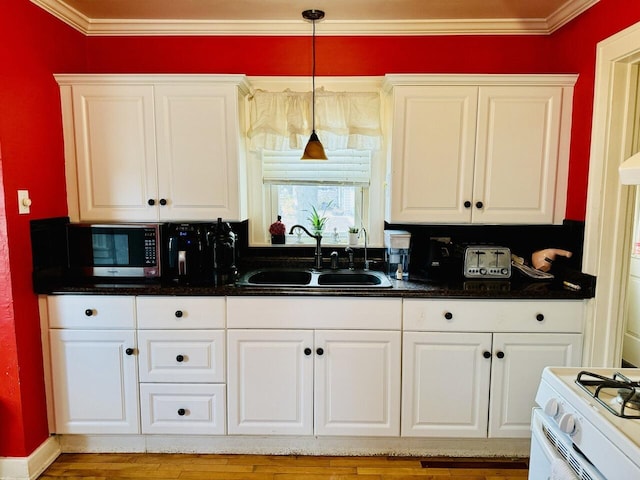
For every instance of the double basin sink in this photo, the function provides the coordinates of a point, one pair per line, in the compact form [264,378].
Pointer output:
[306,278]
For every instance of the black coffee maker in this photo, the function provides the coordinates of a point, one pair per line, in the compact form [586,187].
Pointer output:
[200,253]
[189,253]
[224,253]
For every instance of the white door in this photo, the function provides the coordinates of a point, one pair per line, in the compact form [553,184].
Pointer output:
[433,144]
[516,154]
[198,151]
[445,384]
[116,152]
[357,383]
[95,381]
[270,382]
[518,361]
[631,340]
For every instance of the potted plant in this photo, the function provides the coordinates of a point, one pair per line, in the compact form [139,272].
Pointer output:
[318,221]
[277,231]
[353,235]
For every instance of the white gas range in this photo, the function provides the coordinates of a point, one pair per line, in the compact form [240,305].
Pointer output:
[587,425]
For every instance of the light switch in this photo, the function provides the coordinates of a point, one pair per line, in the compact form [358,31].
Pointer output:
[24,202]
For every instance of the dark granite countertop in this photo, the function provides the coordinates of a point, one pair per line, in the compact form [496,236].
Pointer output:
[515,288]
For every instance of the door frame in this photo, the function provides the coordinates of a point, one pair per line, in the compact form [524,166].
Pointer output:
[610,205]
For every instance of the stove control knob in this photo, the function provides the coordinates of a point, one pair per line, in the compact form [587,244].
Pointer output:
[552,408]
[568,424]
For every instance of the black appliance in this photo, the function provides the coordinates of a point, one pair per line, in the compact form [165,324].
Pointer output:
[443,260]
[200,253]
[114,250]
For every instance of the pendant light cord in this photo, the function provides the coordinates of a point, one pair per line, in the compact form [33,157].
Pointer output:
[313,78]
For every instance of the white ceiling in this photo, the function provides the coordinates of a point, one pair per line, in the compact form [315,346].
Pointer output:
[343,17]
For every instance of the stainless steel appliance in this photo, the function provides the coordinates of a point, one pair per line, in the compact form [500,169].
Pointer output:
[586,425]
[114,250]
[487,262]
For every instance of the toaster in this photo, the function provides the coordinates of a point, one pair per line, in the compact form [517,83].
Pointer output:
[486,262]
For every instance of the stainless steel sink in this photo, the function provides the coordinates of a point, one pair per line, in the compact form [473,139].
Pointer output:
[305,278]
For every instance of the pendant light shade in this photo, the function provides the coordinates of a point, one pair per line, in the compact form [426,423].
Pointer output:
[314,149]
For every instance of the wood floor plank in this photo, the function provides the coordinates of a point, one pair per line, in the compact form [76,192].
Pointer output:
[157,466]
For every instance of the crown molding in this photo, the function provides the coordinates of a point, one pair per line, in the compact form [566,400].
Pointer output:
[146,27]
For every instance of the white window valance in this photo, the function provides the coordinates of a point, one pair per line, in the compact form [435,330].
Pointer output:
[344,120]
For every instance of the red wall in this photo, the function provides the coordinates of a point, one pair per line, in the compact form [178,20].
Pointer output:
[33,44]
[575,51]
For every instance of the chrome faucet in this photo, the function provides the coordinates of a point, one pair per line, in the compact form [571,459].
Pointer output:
[349,251]
[366,262]
[318,239]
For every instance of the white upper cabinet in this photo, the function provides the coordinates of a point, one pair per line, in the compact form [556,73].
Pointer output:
[154,148]
[479,149]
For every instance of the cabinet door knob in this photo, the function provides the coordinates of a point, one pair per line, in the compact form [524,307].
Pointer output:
[307,351]
[467,204]
[88,312]
[540,317]
[163,202]
[479,205]
[180,358]
[151,202]
[500,354]
[178,313]
[486,354]
[448,315]
[320,351]
[182,412]
[129,351]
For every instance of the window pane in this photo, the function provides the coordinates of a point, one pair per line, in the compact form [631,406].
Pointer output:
[337,203]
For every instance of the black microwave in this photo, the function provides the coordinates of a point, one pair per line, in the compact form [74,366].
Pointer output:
[114,250]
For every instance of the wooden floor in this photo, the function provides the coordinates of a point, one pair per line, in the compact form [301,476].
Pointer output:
[262,467]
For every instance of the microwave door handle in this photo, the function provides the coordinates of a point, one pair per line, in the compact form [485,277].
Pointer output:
[182,262]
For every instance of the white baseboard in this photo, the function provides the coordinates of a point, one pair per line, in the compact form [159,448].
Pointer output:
[283,445]
[29,468]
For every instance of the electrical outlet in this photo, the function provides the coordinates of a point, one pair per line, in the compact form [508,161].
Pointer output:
[24,202]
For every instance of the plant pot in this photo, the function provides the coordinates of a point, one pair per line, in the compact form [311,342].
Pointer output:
[353,239]
[277,239]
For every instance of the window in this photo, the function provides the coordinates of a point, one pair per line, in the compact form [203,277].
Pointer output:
[342,205]
[351,182]
[335,188]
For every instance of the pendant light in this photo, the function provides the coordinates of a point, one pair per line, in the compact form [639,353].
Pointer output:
[314,149]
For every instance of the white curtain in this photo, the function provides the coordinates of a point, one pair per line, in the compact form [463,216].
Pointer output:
[344,120]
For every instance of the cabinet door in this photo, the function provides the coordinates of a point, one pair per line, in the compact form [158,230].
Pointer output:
[518,361]
[357,383]
[198,151]
[270,382]
[432,153]
[115,151]
[95,382]
[445,384]
[517,154]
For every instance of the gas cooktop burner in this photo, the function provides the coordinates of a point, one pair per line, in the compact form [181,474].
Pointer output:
[629,397]
[618,394]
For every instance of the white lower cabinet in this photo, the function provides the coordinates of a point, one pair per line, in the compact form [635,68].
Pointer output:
[301,382]
[481,383]
[182,365]
[314,377]
[93,366]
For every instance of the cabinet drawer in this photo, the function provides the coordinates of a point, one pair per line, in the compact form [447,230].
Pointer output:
[186,356]
[494,316]
[181,312]
[91,311]
[183,409]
